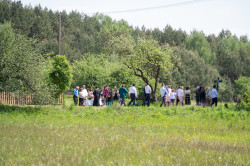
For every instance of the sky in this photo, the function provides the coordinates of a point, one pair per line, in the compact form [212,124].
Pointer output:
[209,16]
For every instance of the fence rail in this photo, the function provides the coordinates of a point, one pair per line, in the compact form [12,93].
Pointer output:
[12,98]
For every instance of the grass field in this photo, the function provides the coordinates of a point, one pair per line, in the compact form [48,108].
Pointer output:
[69,135]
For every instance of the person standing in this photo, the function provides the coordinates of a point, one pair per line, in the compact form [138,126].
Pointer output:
[197,97]
[168,96]
[90,94]
[115,94]
[81,98]
[187,96]
[177,97]
[208,96]
[133,94]
[203,96]
[163,91]
[214,95]
[97,95]
[123,91]
[90,97]
[84,94]
[148,91]
[109,102]
[172,97]
[105,93]
[181,95]
[75,95]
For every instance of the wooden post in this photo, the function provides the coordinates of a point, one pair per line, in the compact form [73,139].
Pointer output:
[60,35]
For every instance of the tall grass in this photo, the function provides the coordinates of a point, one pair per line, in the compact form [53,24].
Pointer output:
[68,135]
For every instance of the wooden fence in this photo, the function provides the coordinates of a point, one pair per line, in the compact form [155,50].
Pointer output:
[12,98]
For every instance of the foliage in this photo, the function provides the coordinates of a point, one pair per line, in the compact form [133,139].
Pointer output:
[193,70]
[61,74]
[23,68]
[242,86]
[146,58]
[99,70]
[224,55]
[197,42]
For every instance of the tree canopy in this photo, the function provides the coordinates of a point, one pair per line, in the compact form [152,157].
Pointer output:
[106,51]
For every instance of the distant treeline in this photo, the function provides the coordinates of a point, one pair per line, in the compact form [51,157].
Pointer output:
[201,58]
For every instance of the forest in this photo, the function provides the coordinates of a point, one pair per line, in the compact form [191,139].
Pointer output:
[99,50]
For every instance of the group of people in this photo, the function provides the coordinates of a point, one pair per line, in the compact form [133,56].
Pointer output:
[107,96]
[169,96]
[104,97]
[205,97]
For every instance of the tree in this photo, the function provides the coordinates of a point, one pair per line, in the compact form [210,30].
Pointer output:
[197,42]
[146,58]
[242,85]
[23,69]
[100,70]
[61,74]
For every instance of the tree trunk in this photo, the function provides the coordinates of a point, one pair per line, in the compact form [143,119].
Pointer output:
[154,95]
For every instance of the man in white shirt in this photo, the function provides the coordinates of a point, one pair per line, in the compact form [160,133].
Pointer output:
[164,92]
[214,95]
[148,91]
[133,94]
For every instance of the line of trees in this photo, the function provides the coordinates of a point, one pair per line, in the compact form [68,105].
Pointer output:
[105,51]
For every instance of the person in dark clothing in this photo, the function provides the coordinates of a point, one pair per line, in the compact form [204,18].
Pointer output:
[115,94]
[75,95]
[109,99]
[203,96]
[97,95]
[197,97]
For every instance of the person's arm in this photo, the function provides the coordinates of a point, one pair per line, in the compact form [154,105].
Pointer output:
[81,95]
[126,90]
[75,94]
[135,92]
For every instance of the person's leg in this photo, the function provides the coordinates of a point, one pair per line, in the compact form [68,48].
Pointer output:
[83,102]
[80,101]
[172,101]
[216,102]
[131,99]
[148,104]
[181,100]
[145,103]
[163,100]
[124,102]
[106,100]
[212,102]
[75,100]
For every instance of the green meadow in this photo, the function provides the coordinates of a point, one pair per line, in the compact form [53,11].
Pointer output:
[69,135]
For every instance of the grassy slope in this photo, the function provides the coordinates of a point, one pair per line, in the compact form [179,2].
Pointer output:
[118,135]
